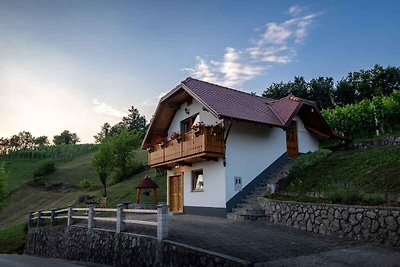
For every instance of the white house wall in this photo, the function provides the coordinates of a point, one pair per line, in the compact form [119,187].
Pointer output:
[193,108]
[214,184]
[307,141]
[250,149]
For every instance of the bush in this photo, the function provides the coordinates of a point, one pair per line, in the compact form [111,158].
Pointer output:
[372,199]
[344,196]
[44,168]
[38,181]
[358,120]
[85,184]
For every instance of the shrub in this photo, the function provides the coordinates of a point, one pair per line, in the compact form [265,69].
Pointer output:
[372,199]
[344,196]
[38,181]
[85,184]
[44,168]
[358,120]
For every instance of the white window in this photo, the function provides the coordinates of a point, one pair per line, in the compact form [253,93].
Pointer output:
[197,181]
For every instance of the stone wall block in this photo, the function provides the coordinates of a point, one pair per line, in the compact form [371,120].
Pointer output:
[379,224]
[391,223]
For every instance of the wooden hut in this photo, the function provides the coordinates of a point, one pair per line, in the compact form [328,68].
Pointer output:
[146,184]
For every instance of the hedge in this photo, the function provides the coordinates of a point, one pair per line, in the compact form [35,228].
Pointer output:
[364,118]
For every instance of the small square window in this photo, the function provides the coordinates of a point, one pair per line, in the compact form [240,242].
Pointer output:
[197,181]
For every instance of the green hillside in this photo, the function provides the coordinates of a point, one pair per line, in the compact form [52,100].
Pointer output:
[62,186]
[363,177]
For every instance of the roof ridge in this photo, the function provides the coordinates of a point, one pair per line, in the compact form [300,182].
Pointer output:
[236,90]
[276,114]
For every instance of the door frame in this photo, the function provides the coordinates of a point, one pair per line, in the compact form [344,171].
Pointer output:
[179,174]
[294,126]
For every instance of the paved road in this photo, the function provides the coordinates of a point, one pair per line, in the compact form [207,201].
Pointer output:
[272,244]
[13,260]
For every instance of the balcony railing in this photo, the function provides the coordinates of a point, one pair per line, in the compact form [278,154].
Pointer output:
[205,143]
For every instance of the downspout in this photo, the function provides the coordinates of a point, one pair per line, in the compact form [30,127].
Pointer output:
[225,139]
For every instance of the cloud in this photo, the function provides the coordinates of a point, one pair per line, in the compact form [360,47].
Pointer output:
[295,10]
[103,108]
[276,44]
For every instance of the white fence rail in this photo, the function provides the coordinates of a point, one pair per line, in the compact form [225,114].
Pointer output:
[91,215]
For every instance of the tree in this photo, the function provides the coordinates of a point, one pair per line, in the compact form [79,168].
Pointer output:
[25,140]
[3,184]
[123,144]
[41,141]
[297,87]
[66,138]
[103,163]
[135,122]
[345,93]
[105,132]
[321,91]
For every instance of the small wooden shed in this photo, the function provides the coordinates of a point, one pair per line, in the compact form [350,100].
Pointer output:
[146,183]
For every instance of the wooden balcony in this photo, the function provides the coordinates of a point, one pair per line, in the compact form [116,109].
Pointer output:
[194,146]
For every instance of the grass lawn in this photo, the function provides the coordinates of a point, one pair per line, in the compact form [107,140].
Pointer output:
[375,170]
[24,198]
[12,239]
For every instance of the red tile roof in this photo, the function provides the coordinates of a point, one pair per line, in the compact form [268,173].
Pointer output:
[224,102]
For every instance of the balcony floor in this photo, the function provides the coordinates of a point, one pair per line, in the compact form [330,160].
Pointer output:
[189,160]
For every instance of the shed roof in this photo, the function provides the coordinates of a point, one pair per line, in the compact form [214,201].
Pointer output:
[147,182]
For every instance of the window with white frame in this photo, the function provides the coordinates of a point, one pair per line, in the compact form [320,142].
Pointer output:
[197,181]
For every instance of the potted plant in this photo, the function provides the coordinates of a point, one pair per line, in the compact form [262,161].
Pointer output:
[163,142]
[216,129]
[197,128]
[150,149]
[178,136]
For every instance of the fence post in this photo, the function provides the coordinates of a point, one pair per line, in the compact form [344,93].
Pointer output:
[162,221]
[30,216]
[39,218]
[53,217]
[120,227]
[91,217]
[70,221]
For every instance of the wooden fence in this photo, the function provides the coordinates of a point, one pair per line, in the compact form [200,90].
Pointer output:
[89,214]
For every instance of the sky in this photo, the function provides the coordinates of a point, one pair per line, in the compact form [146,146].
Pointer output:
[77,64]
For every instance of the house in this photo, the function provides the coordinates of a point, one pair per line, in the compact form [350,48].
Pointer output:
[216,141]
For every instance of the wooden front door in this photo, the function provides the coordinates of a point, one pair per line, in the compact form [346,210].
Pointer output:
[292,140]
[176,193]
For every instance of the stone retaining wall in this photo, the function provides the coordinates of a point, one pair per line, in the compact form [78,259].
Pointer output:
[124,249]
[378,224]
[389,141]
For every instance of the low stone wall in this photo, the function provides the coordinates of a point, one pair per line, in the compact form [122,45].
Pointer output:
[124,249]
[389,141]
[378,224]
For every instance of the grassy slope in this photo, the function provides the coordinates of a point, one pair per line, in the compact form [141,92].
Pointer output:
[12,239]
[24,198]
[371,170]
